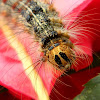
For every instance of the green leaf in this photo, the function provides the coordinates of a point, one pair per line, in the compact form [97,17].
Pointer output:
[91,90]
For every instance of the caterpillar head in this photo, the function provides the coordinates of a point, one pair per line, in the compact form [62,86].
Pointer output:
[61,55]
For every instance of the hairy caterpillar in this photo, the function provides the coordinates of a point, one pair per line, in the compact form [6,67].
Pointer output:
[49,31]
[15,8]
[47,35]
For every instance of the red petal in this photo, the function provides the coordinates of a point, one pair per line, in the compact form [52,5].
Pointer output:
[70,9]
[12,75]
[95,5]
[73,84]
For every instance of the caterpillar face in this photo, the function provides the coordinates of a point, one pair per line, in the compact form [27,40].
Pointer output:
[61,55]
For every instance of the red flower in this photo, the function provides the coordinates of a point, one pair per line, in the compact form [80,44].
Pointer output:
[18,53]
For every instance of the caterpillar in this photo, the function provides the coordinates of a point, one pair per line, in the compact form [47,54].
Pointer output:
[49,31]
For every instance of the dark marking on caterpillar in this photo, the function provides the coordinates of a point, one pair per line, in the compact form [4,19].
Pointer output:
[63,55]
[58,61]
[57,47]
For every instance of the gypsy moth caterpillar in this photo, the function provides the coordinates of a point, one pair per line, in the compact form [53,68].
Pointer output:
[26,19]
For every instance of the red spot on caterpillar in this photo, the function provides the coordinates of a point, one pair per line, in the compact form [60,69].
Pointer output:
[28,0]
[15,5]
[4,1]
